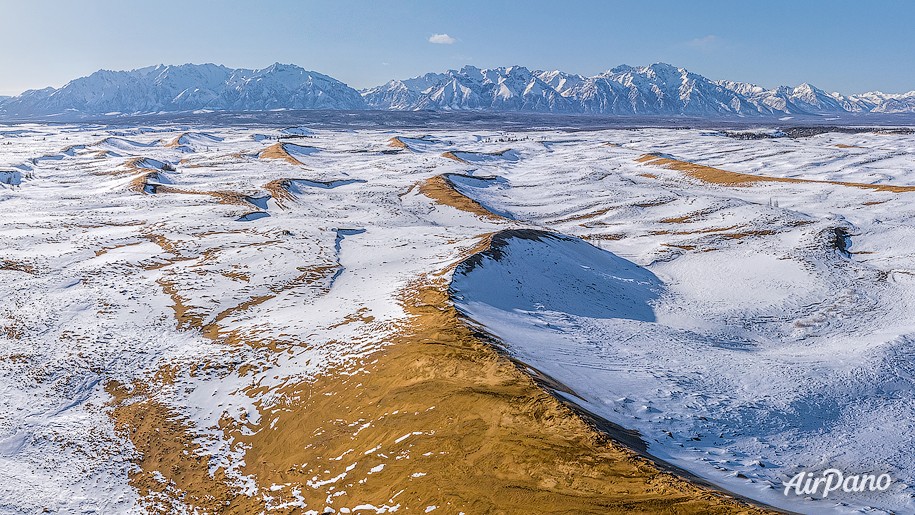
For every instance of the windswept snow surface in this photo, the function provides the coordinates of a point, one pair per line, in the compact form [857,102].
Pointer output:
[747,333]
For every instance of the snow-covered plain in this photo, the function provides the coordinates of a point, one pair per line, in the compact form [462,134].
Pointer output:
[747,332]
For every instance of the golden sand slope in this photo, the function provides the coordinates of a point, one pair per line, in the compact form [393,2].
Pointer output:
[279,190]
[278,151]
[450,155]
[442,190]
[175,143]
[438,417]
[490,440]
[164,443]
[724,177]
[453,423]
[396,142]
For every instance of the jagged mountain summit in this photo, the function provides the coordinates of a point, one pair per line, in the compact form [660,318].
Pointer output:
[188,87]
[655,90]
[500,89]
[658,89]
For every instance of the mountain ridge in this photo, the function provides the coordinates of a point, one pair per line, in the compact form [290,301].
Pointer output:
[658,89]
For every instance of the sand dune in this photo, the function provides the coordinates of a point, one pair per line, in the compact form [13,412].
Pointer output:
[287,152]
[726,178]
[441,189]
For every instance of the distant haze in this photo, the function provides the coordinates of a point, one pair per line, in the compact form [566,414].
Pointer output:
[838,45]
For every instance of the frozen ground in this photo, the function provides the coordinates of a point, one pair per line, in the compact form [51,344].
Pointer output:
[748,332]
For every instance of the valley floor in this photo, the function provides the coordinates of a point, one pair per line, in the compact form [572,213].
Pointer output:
[222,319]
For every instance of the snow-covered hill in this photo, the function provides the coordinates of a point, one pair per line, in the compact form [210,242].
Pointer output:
[655,90]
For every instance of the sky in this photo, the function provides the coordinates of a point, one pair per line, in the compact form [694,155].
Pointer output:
[837,45]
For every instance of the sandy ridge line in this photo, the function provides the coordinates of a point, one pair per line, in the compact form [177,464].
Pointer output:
[442,190]
[450,154]
[718,176]
[280,151]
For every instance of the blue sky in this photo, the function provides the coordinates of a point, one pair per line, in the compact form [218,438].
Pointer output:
[837,45]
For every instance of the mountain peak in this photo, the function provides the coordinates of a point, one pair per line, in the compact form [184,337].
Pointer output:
[657,89]
[662,66]
[187,87]
[278,67]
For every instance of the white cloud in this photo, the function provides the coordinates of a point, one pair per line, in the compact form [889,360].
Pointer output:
[705,42]
[442,39]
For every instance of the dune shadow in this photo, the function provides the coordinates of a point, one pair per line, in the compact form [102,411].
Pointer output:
[530,270]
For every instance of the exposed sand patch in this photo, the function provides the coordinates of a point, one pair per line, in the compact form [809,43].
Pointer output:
[583,216]
[284,190]
[72,150]
[603,237]
[396,142]
[141,183]
[682,247]
[177,142]
[440,189]
[468,157]
[223,197]
[184,316]
[653,203]
[165,448]
[104,250]
[282,151]
[138,164]
[687,218]
[726,178]
[279,190]
[278,151]
[709,230]
[163,243]
[187,317]
[150,184]
[450,155]
[16,266]
[238,276]
[748,234]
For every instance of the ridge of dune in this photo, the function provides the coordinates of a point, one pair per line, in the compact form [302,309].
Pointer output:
[714,175]
[279,151]
[441,189]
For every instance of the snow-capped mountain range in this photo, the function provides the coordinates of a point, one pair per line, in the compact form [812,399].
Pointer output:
[658,89]
[187,87]
[655,90]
